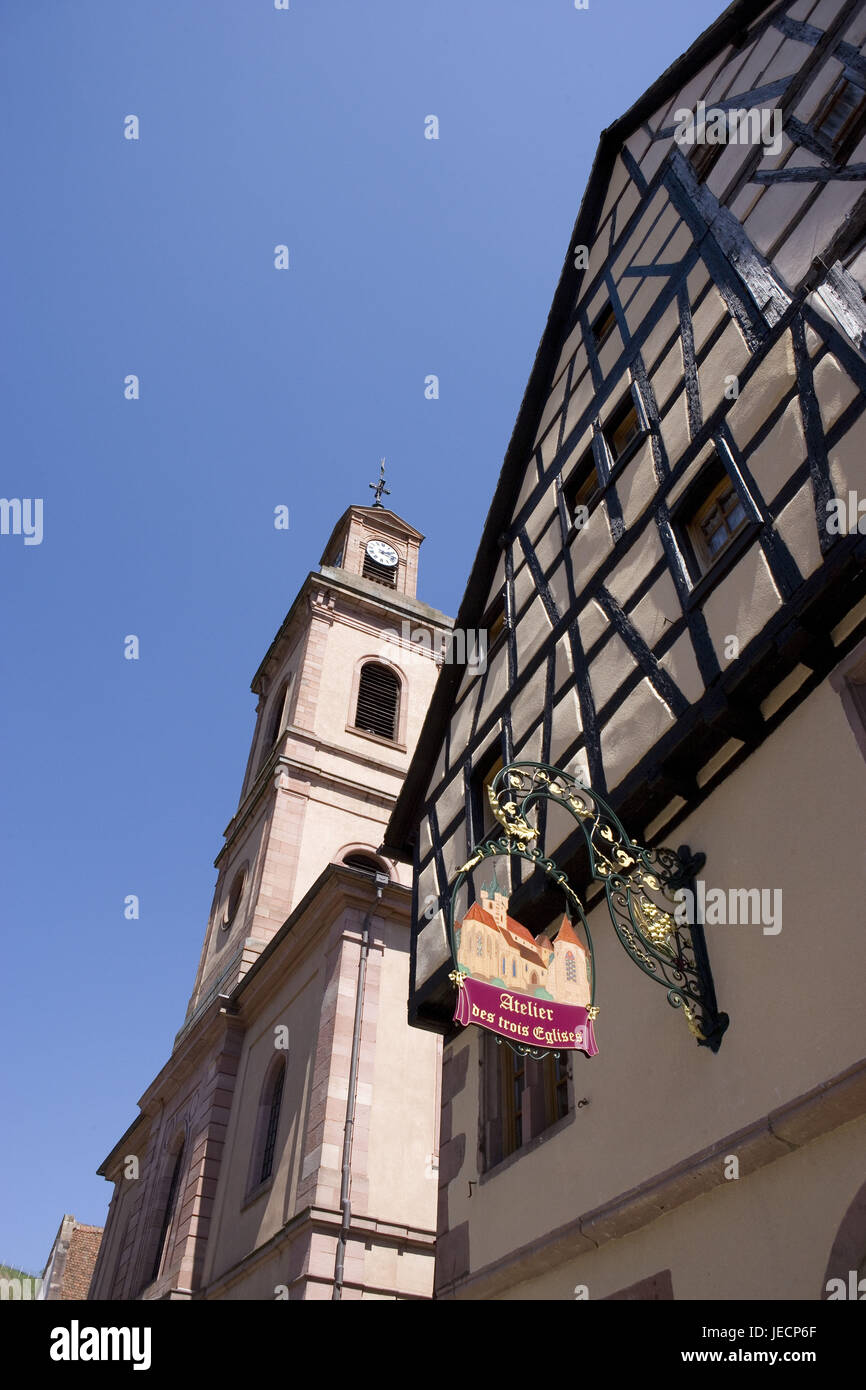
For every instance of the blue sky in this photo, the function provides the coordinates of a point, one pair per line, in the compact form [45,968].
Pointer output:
[258,387]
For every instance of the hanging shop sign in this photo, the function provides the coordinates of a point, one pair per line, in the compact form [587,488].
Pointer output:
[538,992]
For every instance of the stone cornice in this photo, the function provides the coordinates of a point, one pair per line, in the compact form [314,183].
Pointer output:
[316,776]
[362,591]
[321,1220]
[338,887]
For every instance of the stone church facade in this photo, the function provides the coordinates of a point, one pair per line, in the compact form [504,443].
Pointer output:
[674,568]
[263,1163]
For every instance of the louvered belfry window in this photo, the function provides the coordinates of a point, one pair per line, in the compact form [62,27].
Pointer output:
[378,696]
[380,574]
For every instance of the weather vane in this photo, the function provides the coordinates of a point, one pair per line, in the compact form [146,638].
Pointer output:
[379,488]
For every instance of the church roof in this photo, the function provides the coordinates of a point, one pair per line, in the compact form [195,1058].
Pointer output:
[476,913]
[567,934]
[517,930]
[524,939]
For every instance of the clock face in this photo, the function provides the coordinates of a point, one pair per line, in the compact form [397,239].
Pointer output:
[383,554]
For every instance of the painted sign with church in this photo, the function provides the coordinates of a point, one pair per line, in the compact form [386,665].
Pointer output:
[536,992]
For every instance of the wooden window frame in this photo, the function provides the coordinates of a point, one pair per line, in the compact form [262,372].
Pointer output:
[840,145]
[513,1083]
[495,622]
[555,1075]
[715,501]
[631,401]
[704,157]
[705,573]
[584,477]
[603,325]
[523,1099]
[483,819]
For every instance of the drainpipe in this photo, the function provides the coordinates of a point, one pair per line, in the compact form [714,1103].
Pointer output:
[381,881]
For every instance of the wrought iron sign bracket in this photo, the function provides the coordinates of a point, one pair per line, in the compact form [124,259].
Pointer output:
[684,876]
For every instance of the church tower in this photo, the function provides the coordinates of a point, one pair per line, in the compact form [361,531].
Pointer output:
[342,693]
[288,1148]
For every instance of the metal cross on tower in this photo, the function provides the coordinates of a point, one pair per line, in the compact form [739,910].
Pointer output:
[379,488]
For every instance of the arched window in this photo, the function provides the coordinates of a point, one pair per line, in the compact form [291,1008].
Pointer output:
[359,860]
[570,967]
[479,944]
[168,1212]
[272,1099]
[514,967]
[275,716]
[234,897]
[378,701]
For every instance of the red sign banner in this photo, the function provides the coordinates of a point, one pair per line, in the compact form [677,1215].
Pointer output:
[540,1023]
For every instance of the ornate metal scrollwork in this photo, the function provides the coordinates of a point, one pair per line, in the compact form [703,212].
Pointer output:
[639,883]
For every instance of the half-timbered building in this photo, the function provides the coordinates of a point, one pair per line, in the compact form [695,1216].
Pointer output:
[672,576]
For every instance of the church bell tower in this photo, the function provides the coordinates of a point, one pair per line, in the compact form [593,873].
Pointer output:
[342,692]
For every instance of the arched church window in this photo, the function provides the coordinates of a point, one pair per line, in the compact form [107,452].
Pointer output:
[479,944]
[168,1212]
[378,701]
[276,718]
[273,1099]
[570,967]
[358,860]
[234,898]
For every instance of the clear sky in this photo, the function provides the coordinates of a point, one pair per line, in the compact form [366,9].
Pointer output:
[258,387]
